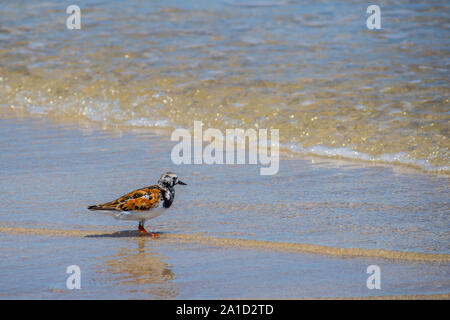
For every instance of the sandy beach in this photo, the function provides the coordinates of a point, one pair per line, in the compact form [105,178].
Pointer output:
[316,240]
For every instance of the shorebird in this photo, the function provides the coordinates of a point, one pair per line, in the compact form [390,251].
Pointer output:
[143,204]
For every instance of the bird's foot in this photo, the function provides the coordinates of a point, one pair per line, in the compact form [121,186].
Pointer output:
[143,232]
[149,234]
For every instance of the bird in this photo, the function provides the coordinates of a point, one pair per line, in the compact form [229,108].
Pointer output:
[144,203]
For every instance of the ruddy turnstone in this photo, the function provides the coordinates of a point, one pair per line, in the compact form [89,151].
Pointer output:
[143,204]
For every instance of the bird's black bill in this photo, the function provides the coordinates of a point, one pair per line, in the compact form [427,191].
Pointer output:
[182,183]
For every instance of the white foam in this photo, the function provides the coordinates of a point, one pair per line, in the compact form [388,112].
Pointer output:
[395,158]
[146,122]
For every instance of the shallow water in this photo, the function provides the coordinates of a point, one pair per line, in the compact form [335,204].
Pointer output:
[311,69]
[51,172]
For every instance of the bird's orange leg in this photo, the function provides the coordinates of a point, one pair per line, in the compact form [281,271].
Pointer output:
[144,232]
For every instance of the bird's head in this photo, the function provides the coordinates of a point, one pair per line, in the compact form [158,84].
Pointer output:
[169,179]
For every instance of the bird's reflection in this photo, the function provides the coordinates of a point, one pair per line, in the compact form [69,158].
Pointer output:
[141,269]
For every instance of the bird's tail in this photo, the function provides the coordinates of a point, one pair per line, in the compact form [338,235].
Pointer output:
[101,207]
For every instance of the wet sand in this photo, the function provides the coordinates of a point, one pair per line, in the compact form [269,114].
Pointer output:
[309,232]
[239,243]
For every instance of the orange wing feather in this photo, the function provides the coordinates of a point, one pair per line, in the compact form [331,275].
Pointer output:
[141,199]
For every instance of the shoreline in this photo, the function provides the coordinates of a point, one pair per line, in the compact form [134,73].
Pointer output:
[164,133]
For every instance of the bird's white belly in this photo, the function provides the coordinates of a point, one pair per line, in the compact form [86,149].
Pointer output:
[139,215]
